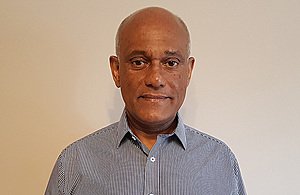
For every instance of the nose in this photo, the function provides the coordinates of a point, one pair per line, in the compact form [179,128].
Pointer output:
[154,76]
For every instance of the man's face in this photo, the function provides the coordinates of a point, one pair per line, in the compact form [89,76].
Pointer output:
[153,71]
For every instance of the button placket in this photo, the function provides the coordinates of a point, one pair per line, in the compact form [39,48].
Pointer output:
[152,173]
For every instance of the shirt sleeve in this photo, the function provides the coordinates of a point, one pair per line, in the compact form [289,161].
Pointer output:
[239,184]
[56,179]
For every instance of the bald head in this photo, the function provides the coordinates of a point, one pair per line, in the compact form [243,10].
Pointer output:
[152,17]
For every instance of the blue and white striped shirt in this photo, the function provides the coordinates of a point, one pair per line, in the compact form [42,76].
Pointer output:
[113,160]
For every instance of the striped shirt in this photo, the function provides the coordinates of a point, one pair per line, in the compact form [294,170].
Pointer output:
[113,160]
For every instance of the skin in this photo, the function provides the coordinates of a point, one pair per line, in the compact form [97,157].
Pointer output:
[153,70]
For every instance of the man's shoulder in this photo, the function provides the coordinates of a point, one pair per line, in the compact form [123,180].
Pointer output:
[196,137]
[102,136]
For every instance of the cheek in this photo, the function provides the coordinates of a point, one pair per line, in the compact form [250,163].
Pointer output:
[130,84]
[179,84]
[126,78]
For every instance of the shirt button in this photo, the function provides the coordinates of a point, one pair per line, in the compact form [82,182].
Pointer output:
[133,138]
[151,194]
[152,159]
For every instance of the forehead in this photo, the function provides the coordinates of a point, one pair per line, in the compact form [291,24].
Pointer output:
[153,32]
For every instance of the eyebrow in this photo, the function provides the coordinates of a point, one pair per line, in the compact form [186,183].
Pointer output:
[138,52]
[167,52]
[173,53]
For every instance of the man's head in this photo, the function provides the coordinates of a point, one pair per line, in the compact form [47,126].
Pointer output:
[152,66]
[152,10]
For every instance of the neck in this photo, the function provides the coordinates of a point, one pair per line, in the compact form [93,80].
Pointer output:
[148,132]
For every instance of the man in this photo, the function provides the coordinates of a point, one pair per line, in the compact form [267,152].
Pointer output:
[150,150]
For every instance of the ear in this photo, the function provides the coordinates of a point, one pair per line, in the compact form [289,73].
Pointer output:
[191,62]
[114,66]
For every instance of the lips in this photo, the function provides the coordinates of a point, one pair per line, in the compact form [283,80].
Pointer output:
[156,97]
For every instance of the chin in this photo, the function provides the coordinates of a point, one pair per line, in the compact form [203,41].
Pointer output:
[156,117]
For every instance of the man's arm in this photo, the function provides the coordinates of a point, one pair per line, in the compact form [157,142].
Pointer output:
[240,188]
[55,179]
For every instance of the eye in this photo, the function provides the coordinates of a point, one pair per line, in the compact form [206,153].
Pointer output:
[137,62]
[172,63]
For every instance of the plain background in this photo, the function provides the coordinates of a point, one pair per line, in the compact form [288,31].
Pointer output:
[56,85]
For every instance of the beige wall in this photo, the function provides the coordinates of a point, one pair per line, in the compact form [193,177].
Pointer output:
[55,83]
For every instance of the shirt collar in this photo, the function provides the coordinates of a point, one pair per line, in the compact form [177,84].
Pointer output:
[180,131]
[123,130]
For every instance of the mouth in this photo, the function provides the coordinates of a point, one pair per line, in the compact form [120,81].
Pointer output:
[154,97]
